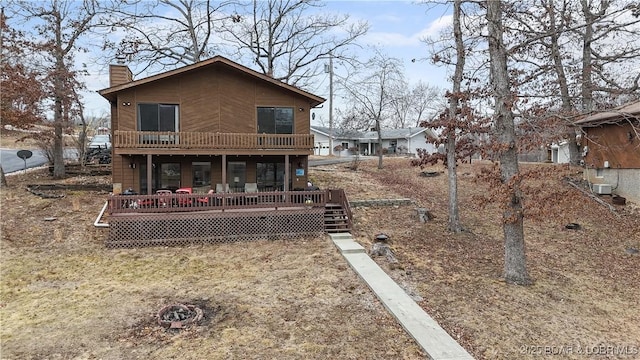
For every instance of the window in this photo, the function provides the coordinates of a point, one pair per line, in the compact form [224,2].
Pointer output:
[270,175]
[599,172]
[158,117]
[275,120]
[164,176]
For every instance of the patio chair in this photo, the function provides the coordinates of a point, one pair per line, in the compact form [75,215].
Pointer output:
[219,188]
[183,200]
[205,200]
[165,198]
[251,188]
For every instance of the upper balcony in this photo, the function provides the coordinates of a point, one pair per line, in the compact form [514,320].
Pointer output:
[167,142]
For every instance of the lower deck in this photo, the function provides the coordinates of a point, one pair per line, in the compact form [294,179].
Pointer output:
[242,220]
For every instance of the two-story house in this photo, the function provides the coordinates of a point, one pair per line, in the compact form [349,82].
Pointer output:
[213,124]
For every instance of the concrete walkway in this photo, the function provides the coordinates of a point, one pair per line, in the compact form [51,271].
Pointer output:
[426,331]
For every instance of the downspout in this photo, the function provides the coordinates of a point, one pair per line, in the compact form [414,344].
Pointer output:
[97,223]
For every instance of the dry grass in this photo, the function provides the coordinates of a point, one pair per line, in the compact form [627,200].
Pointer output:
[21,139]
[64,296]
[586,285]
[12,139]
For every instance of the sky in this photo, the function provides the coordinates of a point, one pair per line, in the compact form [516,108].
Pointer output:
[397,27]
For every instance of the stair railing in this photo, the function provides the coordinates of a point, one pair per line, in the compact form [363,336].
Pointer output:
[338,196]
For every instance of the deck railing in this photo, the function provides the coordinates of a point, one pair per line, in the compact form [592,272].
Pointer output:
[219,201]
[204,140]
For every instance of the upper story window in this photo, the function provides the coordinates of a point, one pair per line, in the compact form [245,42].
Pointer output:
[158,117]
[275,120]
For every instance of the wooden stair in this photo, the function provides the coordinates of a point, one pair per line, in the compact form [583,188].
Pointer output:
[335,219]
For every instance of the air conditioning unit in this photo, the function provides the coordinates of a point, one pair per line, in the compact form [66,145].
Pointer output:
[602,189]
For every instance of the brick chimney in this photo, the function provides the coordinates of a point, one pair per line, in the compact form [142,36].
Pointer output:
[119,74]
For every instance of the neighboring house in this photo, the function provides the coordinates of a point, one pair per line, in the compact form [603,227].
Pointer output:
[395,141]
[213,122]
[321,140]
[612,150]
[560,153]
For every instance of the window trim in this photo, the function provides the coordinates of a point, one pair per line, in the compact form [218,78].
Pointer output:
[176,124]
[274,108]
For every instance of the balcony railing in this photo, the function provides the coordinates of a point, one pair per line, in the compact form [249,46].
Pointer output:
[204,140]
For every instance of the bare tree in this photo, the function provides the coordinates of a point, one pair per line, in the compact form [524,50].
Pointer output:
[401,105]
[458,124]
[372,93]
[58,25]
[288,40]
[608,39]
[572,56]
[426,102]
[411,105]
[515,269]
[164,34]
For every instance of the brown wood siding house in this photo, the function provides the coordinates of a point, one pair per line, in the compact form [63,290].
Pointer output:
[612,149]
[213,124]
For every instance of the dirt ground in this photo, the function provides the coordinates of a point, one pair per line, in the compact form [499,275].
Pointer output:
[64,296]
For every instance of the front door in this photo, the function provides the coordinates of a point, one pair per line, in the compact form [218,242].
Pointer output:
[236,175]
[270,176]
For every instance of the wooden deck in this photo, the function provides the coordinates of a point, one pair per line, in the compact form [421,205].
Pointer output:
[182,219]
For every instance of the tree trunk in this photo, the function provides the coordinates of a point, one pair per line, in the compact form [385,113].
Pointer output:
[58,151]
[454,101]
[587,37]
[563,84]
[574,149]
[379,144]
[58,94]
[3,179]
[454,214]
[515,269]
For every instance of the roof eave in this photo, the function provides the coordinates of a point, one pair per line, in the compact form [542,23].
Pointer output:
[109,93]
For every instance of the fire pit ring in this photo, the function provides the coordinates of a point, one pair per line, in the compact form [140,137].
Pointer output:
[177,316]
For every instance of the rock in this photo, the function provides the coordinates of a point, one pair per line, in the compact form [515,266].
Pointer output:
[423,215]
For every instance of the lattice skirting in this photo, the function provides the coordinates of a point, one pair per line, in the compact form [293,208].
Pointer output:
[179,229]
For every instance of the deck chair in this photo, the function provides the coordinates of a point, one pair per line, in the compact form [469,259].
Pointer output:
[164,199]
[219,188]
[251,188]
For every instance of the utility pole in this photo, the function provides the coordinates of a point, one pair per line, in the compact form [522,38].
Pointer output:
[331,103]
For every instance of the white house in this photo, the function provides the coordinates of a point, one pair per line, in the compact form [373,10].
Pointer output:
[560,153]
[320,140]
[396,141]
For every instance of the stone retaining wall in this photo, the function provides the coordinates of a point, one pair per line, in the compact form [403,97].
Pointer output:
[380,202]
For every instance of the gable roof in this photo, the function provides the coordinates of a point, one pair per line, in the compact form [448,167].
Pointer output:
[337,132]
[402,133]
[110,93]
[615,115]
